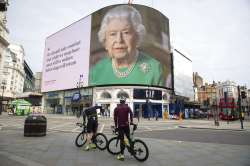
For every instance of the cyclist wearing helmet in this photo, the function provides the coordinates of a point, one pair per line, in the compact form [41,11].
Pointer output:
[121,115]
[91,114]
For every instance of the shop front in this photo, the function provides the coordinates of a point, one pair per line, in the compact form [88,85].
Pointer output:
[145,102]
[68,102]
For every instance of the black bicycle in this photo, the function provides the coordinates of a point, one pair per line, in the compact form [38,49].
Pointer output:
[139,150]
[99,139]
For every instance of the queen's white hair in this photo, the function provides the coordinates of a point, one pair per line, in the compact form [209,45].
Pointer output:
[123,11]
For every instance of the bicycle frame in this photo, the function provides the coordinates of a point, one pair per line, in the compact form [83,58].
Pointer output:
[135,148]
[128,146]
[99,142]
[83,126]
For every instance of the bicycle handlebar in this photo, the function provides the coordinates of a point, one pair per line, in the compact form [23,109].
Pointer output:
[81,124]
[115,130]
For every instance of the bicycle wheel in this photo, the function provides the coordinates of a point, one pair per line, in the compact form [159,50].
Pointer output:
[80,139]
[101,141]
[141,152]
[114,146]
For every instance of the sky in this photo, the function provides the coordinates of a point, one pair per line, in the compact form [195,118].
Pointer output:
[214,34]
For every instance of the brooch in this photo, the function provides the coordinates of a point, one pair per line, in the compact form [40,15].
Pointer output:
[145,67]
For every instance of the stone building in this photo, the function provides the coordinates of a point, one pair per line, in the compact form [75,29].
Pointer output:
[13,71]
[4,41]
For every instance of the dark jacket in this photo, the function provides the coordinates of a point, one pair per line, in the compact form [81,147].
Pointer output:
[121,113]
[91,113]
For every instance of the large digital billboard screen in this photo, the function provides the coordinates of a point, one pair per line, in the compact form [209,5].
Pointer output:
[183,75]
[116,45]
[66,57]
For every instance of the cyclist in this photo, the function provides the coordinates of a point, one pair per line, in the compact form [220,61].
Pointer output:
[121,116]
[91,114]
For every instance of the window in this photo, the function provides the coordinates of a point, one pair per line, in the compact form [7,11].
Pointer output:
[165,97]
[105,95]
[122,94]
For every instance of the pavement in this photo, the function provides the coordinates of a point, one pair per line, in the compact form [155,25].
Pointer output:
[58,149]
[209,124]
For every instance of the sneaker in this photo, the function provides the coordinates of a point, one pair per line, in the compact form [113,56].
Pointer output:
[87,148]
[92,146]
[120,157]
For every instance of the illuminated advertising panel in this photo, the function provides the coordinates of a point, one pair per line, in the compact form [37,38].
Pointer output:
[66,57]
[118,45]
[147,94]
[183,75]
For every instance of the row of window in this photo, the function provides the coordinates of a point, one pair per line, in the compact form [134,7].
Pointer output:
[121,94]
[138,94]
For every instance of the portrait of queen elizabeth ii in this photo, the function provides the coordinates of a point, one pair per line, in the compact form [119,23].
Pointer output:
[121,33]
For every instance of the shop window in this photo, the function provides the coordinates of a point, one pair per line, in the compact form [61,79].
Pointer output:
[165,97]
[106,95]
[122,94]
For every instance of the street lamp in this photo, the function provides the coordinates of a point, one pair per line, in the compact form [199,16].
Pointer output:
[2,87]
[79,85]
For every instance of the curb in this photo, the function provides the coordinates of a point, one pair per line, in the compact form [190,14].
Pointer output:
[213,128]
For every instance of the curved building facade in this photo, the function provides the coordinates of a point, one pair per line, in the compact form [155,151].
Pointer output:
[144,101]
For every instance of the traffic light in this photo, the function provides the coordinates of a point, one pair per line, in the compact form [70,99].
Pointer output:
[243,95]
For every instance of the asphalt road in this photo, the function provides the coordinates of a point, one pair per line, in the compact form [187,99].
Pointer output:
[168,144]
[146,129]
[200,135]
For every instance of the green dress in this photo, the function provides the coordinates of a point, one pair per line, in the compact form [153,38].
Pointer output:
[147,71]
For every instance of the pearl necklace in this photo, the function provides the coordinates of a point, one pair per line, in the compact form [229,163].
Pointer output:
[123,74]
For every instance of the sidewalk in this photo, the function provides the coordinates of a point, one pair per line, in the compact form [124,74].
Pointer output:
[209,124]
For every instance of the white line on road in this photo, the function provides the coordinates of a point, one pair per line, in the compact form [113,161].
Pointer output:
[101,130]
[61,125]
[75,129]
[148,128]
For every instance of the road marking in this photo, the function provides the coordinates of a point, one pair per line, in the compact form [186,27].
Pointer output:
[75,129]
[148,128]
[61,125]
[51,132]
[19,159]
[101,130]
[15,125]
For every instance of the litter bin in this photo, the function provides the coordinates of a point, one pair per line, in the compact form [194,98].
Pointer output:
[35,126]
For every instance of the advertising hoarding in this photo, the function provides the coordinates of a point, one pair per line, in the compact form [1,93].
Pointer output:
[66,57]
[147,94]
[183,75]
[116,45]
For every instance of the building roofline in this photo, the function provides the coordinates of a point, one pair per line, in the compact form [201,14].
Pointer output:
[27,66]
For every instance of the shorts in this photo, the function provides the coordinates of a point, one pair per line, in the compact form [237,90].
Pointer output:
[92,126]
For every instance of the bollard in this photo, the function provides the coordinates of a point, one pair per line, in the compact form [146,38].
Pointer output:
[35,126]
